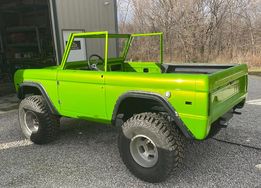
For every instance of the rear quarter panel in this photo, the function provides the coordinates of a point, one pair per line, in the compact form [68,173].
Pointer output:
[183,88]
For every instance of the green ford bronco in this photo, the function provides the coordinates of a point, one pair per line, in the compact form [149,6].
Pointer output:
[157,106]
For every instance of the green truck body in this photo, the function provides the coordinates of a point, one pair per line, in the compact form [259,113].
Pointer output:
[194,95]
[199,99]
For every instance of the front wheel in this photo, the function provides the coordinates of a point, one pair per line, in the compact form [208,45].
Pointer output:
[36,121]
[150,146]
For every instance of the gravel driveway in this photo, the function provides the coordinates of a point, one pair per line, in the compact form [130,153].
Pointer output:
[86,155]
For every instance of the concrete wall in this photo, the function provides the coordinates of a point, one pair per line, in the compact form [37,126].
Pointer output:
[87,15]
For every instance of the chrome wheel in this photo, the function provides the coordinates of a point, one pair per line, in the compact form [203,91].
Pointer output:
[31,121]
[144,151]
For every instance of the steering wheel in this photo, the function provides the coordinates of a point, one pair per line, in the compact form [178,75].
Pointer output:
[93,66]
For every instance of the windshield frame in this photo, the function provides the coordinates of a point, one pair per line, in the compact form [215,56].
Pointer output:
[106,36]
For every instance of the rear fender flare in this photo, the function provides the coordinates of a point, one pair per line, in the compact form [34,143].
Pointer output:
[158,98]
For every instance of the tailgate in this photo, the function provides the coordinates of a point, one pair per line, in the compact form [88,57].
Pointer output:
[227,88]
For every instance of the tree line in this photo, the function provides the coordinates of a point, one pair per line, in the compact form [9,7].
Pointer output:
[218,31]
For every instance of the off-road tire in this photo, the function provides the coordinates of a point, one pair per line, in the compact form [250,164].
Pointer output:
[48,124]
[168,141]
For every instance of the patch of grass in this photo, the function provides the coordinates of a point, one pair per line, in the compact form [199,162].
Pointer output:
[255,71]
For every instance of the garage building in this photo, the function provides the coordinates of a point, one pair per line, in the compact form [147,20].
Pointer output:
[33,33]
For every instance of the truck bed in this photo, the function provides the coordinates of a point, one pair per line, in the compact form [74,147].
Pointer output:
[226,86]
[195,69]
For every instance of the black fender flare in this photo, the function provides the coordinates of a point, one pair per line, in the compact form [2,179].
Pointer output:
[21,94]
[158,98]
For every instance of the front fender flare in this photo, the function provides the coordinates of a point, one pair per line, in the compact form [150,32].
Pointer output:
[21,94]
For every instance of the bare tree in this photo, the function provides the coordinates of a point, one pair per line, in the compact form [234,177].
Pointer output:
[199,30]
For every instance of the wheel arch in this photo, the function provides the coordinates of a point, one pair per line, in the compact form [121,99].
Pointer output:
[131,101]
[26,88]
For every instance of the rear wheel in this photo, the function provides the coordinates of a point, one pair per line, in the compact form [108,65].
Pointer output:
[150,146]
[36,121]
